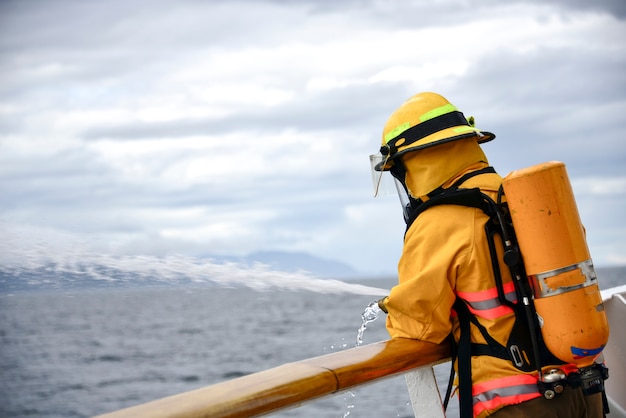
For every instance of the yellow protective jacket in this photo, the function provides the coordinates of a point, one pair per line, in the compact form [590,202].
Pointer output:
[446,255]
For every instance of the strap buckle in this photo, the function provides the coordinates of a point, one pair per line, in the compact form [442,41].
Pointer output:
[552,383]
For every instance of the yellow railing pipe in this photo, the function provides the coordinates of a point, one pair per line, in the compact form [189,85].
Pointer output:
[292,384]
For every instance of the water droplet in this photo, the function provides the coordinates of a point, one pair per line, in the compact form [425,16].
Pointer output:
[370,314]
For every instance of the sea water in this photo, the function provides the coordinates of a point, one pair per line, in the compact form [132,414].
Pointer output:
[78,354]
[86,352]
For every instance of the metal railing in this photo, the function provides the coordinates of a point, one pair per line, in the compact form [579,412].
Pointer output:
[293,384]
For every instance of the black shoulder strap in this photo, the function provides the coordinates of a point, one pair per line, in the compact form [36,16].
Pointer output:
[462,197]
[451,196]
[466,402]
[466,349]
[463,179]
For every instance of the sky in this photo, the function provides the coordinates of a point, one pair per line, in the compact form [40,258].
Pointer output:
[209,128]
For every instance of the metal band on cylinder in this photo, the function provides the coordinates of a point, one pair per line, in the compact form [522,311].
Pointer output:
[543,285]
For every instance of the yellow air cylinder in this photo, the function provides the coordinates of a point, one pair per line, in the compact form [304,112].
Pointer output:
[557,261]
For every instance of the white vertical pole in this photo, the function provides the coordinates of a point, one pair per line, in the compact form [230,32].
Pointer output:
[424,393]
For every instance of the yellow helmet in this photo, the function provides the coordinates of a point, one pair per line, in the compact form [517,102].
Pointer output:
[425,120]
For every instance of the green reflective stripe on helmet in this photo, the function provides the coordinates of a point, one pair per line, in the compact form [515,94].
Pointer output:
[396,131]
[448,108]
[442,110]
[464,129]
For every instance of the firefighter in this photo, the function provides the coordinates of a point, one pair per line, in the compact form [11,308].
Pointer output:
[428,145]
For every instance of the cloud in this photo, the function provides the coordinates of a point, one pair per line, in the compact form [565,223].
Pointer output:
[193,127]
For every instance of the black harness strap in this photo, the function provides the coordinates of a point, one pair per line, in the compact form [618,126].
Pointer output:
[451,196]
[466,402]
[459,182]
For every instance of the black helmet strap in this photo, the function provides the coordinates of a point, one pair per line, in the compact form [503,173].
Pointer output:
[422,130]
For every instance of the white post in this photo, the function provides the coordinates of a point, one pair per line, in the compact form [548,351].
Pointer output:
[424,393]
